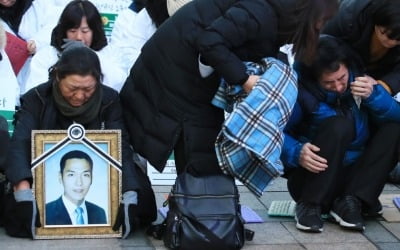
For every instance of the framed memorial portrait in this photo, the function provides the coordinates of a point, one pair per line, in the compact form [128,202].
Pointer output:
[76,182]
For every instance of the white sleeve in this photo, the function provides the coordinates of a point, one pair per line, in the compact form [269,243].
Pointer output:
[114,75]
[143,29]
[38,23]
[205,70]
[122,29]
[39,67]
[131,32]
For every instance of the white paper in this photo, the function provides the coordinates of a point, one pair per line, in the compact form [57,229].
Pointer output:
[357,99]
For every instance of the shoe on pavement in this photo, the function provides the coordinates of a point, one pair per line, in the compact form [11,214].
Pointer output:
[308,217]
[375,211]
[347,212]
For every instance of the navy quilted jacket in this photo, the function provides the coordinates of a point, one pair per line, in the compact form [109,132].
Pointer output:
[314,105]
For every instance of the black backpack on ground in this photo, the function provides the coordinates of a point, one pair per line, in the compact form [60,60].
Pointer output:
[204,213]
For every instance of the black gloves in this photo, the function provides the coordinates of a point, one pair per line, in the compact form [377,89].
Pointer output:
[127,214]
[69,44]
[22,215]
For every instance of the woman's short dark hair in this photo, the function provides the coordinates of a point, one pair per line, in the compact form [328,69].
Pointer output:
[71,18]
[386,13]
[81,61]
[298,25]
[330,54]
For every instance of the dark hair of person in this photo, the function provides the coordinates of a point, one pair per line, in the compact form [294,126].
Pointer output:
[387,14]
[330,54]
[75,154]
[71,18]
[157,10]
[12,15]
[137,5]
[298,25]
[77,61]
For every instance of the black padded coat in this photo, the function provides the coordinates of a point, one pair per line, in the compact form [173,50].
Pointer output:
[166,99]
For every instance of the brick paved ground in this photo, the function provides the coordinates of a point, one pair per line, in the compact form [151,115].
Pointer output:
[275,233]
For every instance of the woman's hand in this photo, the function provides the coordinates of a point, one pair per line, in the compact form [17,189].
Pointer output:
[363,86]
[31,47]
[250,83]
[310,160]
[22,185]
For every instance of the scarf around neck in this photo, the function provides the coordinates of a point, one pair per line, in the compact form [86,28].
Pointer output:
[82,114]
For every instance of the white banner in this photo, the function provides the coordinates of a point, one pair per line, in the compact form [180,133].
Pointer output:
[9,90]
[167,177]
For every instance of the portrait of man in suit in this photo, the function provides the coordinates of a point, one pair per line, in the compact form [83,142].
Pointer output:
[71,208]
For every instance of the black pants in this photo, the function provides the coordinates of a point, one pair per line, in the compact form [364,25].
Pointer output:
[146,208]
[365,179]
[369,174]
[197,162]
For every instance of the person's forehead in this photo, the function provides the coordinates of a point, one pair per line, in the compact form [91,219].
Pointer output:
[75,164]
[327,75]
[82,81]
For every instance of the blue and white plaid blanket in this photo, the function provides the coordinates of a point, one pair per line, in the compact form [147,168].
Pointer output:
[228,95]
[249,144]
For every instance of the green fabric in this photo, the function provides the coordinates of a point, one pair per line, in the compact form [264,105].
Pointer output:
[282,208]
[82,114]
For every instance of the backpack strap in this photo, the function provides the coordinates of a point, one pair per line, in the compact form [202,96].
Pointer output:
[248,234]
[218,242]
[157,230]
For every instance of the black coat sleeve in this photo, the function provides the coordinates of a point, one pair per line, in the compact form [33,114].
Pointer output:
[18,165]
[247,22]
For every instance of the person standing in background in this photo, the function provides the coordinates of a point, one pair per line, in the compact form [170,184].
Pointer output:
[80,24]
[132,30]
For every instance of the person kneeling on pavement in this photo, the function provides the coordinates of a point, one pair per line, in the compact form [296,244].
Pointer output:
[73,94]
[341,140]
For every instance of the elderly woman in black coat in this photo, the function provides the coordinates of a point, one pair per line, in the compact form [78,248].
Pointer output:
[73,94]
